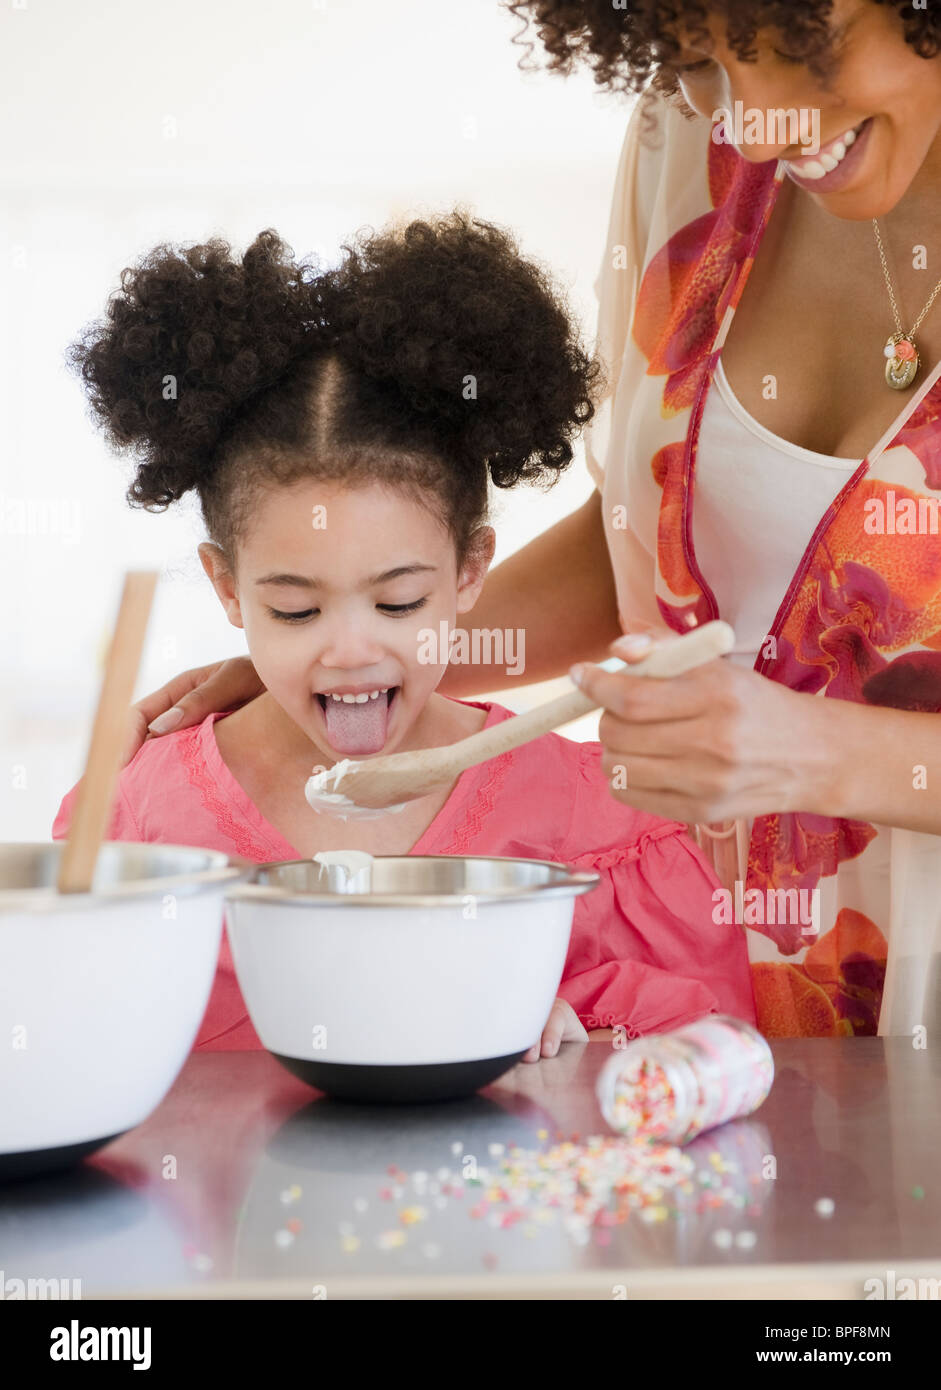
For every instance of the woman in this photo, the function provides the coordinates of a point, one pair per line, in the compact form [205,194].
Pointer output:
[770,321]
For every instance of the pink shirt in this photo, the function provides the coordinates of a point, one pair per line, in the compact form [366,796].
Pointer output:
[644,950]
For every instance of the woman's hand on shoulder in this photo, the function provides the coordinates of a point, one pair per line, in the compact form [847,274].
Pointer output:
[189,697]
[562,1025]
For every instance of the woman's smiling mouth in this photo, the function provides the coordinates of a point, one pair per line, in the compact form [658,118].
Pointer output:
[835,163]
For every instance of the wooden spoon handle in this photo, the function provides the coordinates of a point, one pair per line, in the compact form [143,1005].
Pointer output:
[96,789]
[670,658]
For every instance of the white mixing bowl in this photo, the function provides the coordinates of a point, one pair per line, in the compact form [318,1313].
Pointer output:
[423,978]
[101,993]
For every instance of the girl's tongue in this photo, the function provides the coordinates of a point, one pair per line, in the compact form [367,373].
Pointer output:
[357,728]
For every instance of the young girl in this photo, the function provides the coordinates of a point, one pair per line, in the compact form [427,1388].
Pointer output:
[339,427]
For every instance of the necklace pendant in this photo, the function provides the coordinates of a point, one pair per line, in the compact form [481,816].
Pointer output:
[902,361]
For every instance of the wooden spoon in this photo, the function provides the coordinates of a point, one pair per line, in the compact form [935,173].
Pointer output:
[391,781]
[96,789]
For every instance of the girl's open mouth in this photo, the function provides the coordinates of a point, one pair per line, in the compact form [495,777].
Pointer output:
[357,721]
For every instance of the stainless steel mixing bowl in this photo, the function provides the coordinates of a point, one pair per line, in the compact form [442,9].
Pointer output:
[423,979]
[101,993]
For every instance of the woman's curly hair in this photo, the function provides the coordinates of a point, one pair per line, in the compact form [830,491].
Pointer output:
[630,47]
[431,355]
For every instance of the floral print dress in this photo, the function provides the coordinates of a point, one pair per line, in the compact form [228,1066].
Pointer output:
[861,617]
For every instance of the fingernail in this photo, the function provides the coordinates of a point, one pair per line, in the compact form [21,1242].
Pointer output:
[633,644]
[576,673]
[165,722]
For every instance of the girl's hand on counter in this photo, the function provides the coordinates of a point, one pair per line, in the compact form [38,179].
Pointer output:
[189,697]
[714,743]
[562,1025]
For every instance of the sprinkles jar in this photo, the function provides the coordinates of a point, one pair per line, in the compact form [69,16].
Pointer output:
[669,1087]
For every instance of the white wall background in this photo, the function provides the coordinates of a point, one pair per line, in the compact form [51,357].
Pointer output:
[129,122]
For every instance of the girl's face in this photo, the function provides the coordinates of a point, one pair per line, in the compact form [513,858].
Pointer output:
[879,88]
[334,587]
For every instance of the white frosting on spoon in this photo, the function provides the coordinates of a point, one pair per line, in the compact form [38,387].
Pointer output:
[322,795]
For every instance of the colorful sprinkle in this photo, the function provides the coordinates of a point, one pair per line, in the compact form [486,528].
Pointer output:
[391,1240]
[410,1216]
[587,1188]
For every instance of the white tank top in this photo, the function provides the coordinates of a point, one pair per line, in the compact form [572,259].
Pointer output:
[757,501]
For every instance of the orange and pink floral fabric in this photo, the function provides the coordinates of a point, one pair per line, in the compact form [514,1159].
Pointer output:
[861,619]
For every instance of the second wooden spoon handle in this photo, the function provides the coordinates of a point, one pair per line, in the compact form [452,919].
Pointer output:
[93,800]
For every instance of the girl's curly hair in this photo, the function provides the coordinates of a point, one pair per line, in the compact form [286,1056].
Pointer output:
[630,47]
[430,356]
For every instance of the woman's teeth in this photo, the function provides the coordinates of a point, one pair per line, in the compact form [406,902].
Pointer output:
[828,158]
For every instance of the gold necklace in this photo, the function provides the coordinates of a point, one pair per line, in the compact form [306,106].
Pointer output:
[900,351]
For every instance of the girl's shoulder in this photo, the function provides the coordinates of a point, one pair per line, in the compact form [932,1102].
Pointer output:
[158,791]
[172,760]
